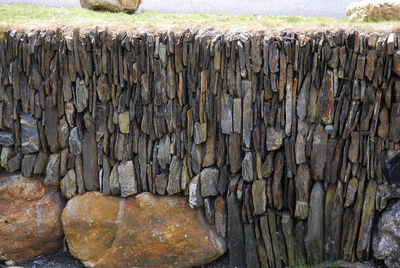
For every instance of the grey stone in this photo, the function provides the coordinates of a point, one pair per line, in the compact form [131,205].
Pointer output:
[200,132]
[127,180]
[386,239]
[226,114]
[237,115]
[267,167]
[174,179]
[209,182]
[75,144]
[164,151]
[113,181]
[195,198]
[53,170]
[6,139]
[82,96]
[90,165]
[29,134]
[248,167]
[352,187]
[333,221]
[236,242]
[63,133]
[14,163]
[367,219]
[259,188]
[28,163]
[5,153]
[303,99]
[274,138]
[303,184]
[251,246]
[319,153]
[314,240]
[247,113]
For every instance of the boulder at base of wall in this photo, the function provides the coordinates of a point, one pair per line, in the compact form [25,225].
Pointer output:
[30,223]
[128,6]
[386,240]
[140,231]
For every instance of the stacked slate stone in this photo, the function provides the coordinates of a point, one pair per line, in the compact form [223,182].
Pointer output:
[280,139]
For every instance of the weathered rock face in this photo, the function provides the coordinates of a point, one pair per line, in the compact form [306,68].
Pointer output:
[30,222]
[386,240]
[141,231]
[373,10]
[268,134]
[128,6]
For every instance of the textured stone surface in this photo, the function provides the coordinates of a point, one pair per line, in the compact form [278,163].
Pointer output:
[128,6]
[314,240]
[274,138]
[303,185]
[30,222]
[386,239]
[319,153]
[68,185]
[90,166]
[209,182]
[236,243]
[259,196]
[141,231]
[6,139]
[126,178]
[53,171]
[29,134]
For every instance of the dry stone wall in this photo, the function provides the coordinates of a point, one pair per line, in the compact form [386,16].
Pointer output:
[281,139]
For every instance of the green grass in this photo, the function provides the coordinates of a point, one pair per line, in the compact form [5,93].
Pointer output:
[29,17]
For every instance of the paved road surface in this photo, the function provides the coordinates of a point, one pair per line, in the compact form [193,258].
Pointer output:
[331,8]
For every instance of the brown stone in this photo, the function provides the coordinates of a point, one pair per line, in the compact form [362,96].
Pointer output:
[235,152]
[259,196]
[274,138]
[319,153]
[370,64]
[277,184]
[367,218]
[103,89]
[394,132]
[90,166]
[30,222]
[303,185]
[327,100]
[383,129]
[354,147]
[141,231]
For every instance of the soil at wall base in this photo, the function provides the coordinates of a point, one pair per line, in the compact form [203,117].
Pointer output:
[64,260]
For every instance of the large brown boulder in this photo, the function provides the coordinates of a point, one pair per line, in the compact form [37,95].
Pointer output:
[30,222]
[140,231]
[373,10]
[128,6]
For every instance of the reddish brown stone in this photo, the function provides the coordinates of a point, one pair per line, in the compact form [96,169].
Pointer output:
[30,222]
[141,231]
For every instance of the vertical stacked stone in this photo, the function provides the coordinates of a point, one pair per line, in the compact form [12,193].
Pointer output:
[280,139]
